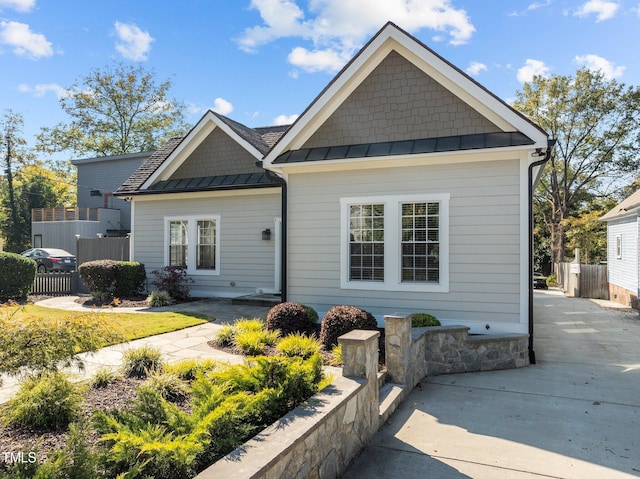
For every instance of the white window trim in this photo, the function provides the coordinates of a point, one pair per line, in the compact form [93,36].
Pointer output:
[618,246]
[392,243]
[192,232]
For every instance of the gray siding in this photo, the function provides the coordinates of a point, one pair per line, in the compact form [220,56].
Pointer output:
[106,175]
[398,101]
[484,231]
[245,259]
[623,271]
[217,155]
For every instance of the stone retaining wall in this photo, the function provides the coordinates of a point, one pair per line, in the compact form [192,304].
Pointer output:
[317,440]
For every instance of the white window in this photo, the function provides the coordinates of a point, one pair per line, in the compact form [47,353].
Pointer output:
[619,246]
[193,242]
[395,243]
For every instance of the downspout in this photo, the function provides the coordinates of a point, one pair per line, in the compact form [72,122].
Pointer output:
[283,232]
[542,162]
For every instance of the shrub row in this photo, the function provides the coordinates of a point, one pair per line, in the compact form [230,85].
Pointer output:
[289,318]
[107,277]
[17,273]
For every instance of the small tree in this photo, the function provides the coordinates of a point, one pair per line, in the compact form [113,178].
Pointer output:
[117,110]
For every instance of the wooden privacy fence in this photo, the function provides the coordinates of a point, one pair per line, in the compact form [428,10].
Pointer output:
[56,284]
[591,282]
[91,249]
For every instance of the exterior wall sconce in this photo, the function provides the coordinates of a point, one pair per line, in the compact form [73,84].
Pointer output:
[266,235]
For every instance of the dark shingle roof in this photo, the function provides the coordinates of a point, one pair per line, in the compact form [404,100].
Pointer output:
[262,138]
[406,147]
[142,174]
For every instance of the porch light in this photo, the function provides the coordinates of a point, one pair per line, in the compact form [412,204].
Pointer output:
[266,235]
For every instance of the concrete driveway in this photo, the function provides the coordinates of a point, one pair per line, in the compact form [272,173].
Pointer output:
[575,414]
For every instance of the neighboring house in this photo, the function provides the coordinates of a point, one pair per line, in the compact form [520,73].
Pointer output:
[98,211]
[203,203]
[623,247]
[406,188]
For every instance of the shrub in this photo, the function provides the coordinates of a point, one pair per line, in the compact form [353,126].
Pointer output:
[288,318]
[173,280]
[244,324]
[99,276]
[312,314]
[169,385]
[298,344]
[421,320]
[17,273]
[36,344]
[130,279]
[253,343]
[159,298]
[102,377]
[140,362]
[46,401]
[189,369]
[336,356]
[340,320]
[224,336]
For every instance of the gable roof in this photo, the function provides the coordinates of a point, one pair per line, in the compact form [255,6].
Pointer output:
[630,206]
[153,176]
[393,39]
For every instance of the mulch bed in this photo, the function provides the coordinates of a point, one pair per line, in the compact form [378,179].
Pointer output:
[117,394]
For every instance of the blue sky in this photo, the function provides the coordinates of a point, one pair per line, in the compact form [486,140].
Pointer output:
[261,62]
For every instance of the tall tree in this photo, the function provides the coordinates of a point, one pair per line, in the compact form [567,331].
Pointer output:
[117,110]
[14,154]
[595,122]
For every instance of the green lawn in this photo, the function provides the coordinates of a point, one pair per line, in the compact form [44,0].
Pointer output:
[130,325]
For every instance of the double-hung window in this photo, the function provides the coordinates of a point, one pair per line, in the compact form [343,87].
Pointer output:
[395,243]
[193,243]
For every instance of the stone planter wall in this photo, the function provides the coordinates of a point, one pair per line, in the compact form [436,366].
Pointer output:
[319,439]
[447,349]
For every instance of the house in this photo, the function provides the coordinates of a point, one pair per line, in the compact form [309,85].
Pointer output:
[98,211]
[623,251]
[404,187]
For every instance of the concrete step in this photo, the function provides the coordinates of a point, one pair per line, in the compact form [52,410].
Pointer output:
[382,378]
[257,300]
[390,396]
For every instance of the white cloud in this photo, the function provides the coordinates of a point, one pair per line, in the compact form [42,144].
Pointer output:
[42,89]
[603,9]
[318,60]
[285,119]
[595,62]
[475,68]
[222,106]
[337,28]
[537,5]
[133,43]
[18,5]
[530,69]
[25,43]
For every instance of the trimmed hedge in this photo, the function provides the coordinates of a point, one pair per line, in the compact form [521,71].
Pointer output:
[421,320]
[340,320]
[288,318]
[130,279]
[118,278]
[17,273]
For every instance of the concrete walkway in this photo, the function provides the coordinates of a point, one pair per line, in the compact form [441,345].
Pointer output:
[576,414]
[186,343]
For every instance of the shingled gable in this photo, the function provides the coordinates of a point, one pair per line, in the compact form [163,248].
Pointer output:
[154,176]
[508,128]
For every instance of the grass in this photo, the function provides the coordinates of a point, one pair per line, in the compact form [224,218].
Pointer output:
[130,325]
